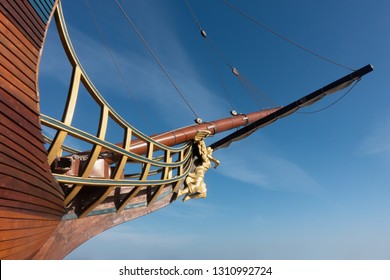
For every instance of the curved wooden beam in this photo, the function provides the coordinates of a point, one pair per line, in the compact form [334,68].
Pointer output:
[31,200]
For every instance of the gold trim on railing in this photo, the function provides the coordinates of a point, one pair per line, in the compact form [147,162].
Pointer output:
[150,164]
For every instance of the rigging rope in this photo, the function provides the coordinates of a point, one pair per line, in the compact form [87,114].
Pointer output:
[247,84]
[333,103]
[204,35]
[255,92]
[284,37]
[156,59]
[219,75]
[193,15]
[108,49]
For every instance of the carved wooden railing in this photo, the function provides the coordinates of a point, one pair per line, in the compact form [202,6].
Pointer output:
[101,171]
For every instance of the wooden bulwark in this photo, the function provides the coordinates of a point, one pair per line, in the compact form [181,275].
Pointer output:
[102,172]
[44,212]
[31,201]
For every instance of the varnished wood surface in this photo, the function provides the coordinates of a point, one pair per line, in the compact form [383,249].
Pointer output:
[31,201]
[71,233]
[26,19]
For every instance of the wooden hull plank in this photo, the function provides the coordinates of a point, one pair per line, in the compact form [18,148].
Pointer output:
[31,201]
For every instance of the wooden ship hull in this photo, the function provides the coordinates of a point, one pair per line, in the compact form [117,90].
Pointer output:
[33,220]
[51,201]
[31,199]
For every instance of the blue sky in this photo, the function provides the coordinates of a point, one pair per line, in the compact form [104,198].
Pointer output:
[309,186]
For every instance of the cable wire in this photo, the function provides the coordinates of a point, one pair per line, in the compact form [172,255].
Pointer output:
[250,87]
[212,58]
[256,94]
[284,37]
[331,104]
[155,58]
[108,49]
[193,15]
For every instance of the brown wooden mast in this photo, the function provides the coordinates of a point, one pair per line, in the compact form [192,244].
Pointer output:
[33,220]
[182,135]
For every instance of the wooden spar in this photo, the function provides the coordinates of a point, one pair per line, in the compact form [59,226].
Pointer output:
[294,106]
[32,215]
[251,122]
[182,135]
